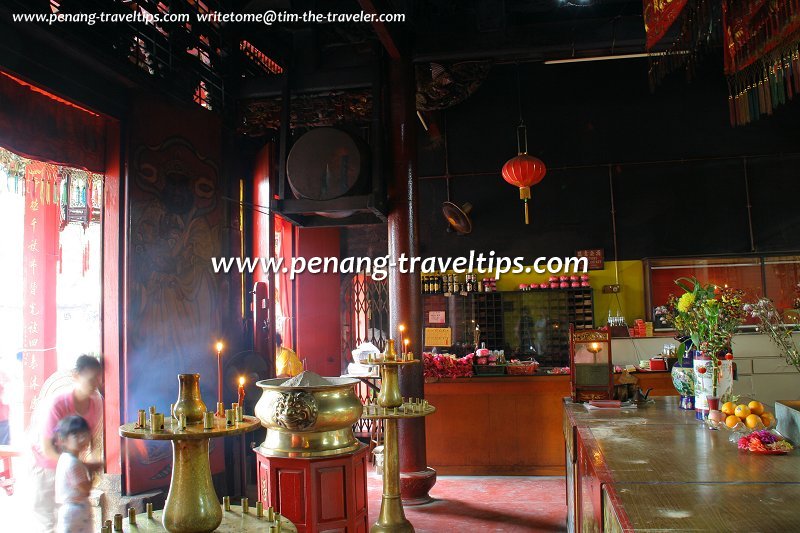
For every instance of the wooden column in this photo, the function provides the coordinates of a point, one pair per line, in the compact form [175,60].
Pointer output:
[405,300]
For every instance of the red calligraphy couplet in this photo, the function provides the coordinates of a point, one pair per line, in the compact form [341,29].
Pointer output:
[40,258]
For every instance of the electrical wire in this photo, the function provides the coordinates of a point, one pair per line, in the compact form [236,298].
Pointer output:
[252,207]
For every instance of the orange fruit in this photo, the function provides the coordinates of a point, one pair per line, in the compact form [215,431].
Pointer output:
[753,421]
[768,419]
[741,411]
[732,420]
[728,408]
[757,408]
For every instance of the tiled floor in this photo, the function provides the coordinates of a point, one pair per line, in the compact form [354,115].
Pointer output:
[462,504]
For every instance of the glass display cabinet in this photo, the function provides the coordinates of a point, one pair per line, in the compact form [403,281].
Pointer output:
[525,324]
[591,369]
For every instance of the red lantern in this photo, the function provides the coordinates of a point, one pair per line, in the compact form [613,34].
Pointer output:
[524,171]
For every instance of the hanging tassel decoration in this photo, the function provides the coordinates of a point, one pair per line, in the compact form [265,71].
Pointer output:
[89,199]
[731,108]
[525,195]
[768,93]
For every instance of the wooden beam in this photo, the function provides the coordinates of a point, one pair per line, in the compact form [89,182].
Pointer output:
[382,30]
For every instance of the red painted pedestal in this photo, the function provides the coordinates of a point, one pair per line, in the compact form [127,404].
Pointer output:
[318,495]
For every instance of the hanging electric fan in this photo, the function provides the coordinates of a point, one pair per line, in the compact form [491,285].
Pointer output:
[457,217]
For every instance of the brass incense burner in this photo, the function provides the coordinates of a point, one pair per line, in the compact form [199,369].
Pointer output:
[308,421]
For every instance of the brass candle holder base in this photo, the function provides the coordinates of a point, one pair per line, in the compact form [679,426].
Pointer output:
[391,517]
[192,505]
[391,406]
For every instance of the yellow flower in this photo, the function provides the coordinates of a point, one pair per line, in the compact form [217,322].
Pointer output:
[685,302]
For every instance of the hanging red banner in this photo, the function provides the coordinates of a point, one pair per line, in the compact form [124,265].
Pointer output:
[40,255]
[754,28]
[659,16]
[762,56]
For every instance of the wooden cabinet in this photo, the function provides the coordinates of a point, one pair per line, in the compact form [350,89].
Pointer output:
[502,425]
[319,494]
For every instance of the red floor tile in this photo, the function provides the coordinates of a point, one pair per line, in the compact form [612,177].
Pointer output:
[509,504]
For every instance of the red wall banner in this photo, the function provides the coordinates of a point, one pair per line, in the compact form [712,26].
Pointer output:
[40,259]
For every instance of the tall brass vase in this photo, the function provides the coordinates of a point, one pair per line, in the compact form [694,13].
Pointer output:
[390,386]
[190,402]
[192,505]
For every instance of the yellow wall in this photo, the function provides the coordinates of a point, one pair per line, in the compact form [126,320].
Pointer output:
[629,302]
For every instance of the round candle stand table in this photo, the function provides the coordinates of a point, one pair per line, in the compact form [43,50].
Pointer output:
[192,505]
[391,407]
[233,521]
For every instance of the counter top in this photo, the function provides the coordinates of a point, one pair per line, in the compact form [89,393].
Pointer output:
[658,468]
[538,375]
[710,507]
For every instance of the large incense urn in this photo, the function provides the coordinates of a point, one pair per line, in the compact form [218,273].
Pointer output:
[308,421]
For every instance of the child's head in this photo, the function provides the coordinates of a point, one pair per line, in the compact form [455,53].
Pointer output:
[88,374]
[73,434]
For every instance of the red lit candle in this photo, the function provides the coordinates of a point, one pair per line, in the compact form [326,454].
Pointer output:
[241,392]
[219,346]
[405,346]
[402,328]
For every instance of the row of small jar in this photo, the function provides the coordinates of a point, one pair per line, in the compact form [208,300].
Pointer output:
[558,282]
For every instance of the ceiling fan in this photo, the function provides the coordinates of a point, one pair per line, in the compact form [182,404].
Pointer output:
[457,217]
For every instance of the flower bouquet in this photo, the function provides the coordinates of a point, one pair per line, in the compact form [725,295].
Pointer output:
[709,316]
[437,366]
[779,333]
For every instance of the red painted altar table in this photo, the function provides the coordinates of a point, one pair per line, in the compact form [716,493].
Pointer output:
[317,494]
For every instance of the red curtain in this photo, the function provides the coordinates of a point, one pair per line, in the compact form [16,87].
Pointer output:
[39,125]
[40,259]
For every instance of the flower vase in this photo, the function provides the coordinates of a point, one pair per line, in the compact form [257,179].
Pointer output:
[683,380]
[705,383]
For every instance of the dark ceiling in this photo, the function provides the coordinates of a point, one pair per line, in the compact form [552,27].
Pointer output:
[441,30]
[175,58]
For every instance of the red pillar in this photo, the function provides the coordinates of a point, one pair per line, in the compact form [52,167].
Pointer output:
[263,309]
[113,228]
[405,301]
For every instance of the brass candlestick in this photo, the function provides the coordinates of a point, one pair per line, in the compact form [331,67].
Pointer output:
[391,407]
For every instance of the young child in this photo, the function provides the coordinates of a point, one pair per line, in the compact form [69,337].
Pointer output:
[73,481]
